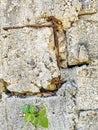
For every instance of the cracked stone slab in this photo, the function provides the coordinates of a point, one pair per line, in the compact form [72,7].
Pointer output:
[88,120]
[28,61]
[56,112]
[82,39]
[87,86]
[85,91]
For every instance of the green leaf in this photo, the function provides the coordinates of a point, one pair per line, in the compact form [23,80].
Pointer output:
[32,109]
[25,109]
[33,115]
[44,122]
[29,117]
[42,112]
[36,121]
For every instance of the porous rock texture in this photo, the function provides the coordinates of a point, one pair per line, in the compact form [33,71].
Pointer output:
[52,111]
[29,64]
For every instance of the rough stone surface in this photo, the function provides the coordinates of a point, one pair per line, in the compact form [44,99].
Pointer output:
[85,79]
[88,7]
[3,115]
[57,119]
[88,120]
[28,63]
[20,12]
[87,82]
[82,43]
[3,85]
[68,90]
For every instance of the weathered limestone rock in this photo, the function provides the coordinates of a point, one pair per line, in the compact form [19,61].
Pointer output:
[88,120]
[3,115]
[19,74]
[89,10]
[27,63]
[87,82]
[56,112]
[68,90]
[82,43]
[88,7]
[3,86]
[20,12]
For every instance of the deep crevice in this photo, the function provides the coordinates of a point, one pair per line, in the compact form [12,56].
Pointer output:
[75,127]
[96,110]
[78,65]
[88,110]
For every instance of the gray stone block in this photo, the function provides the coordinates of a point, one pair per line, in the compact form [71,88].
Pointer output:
[82,43]
[87,83]
[3,115]
[56,112]
[88,120]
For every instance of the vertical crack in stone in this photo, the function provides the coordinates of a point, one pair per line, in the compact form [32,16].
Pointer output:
[55,22]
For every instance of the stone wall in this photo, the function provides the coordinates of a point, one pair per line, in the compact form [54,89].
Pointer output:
[49,56]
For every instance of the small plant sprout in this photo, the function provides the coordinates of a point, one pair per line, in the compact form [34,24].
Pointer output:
[34,116]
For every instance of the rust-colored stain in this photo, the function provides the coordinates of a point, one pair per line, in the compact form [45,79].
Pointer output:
[54,23]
